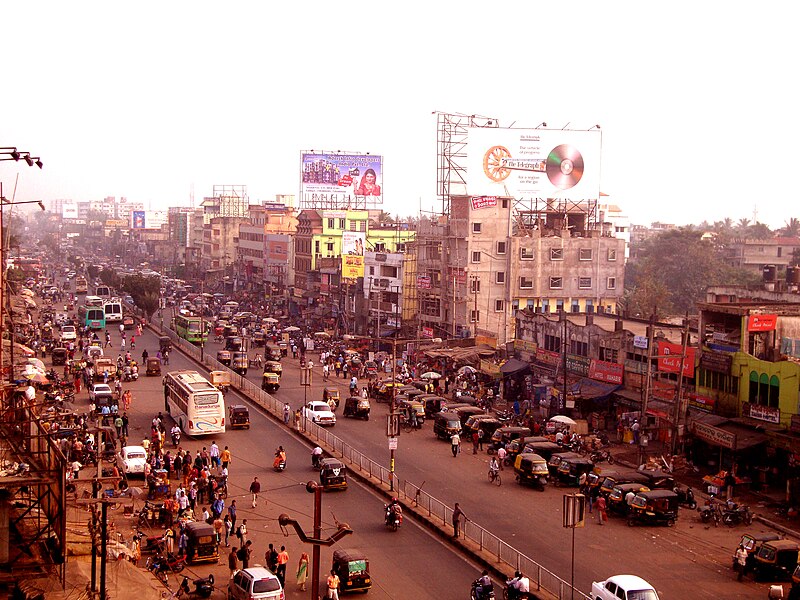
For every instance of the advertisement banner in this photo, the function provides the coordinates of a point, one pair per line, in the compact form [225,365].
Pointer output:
[69,210]
[606,371]
[427,332]
[703,403]
[761,413]
[669,358]
[138,220]
[353,254]
[762,322]
[339,177]
[533,163]
[714,435]
[578,364]
[719,362]
[479,202]
[547,357]
[423,282]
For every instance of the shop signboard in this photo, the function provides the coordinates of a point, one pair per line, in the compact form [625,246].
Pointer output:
[669,358]
[606,371]
[664,390]
[634,366]
[762,322]
[714,435]
[547,357]
[640,341]
[701,402]
[719,362]
[761,413]
[578,364]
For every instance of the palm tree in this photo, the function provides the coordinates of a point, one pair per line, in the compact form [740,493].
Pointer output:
[792,228]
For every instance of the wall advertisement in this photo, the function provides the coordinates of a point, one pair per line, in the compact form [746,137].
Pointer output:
[353,254]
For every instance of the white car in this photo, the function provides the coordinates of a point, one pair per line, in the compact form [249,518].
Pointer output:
[131,459]
[101,393]
[255,583]
[68,333]
[320,413]
[623,587]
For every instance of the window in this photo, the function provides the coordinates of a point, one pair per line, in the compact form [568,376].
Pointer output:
[476,256]
[362,225]
[329,246]
[611,283]
[526,283]
[578,348]
[559,306]
[341,223]
[612,254]
[331,223]
[501,247]
[556,283]
[585,254]
[475,285]
[584,282]
[500,277]
[476,228]
[545,306]
[608,354]
[316,246]
[475,316]
[504,202]
[498,306]
[576,307]
[372,270]
[552,343]
[526,253]
[556,254]
[380,247]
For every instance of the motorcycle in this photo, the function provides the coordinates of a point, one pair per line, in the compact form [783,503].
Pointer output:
[176,439]
[316,460]
[740,513]
[686,497]
[161,566]
[477,591]
[392,518]
[279,464]
[710,512]
[203,587]
[599,456]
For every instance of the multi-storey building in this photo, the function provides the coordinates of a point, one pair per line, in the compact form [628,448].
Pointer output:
[756,255]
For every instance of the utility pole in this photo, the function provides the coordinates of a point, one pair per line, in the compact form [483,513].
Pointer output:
[647,384]
[679,399]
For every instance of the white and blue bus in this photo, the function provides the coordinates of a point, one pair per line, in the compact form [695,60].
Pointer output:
[113,310]
[194,403]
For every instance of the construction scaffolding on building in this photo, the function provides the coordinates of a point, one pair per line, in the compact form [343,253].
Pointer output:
[226,201]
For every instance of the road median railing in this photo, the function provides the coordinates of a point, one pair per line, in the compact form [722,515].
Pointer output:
[427,506]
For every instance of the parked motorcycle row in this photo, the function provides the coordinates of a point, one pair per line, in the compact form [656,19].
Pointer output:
[727,513]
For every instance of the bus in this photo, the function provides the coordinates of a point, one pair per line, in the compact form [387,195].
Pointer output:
[93,317]
[81,286]
[94,301]
[194,403]
[113,310]
[192,329]
[103,291]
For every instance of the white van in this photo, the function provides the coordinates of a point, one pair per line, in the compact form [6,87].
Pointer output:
[255,583]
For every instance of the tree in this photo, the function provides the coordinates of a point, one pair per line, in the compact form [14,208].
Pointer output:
[791,228]
[145,291]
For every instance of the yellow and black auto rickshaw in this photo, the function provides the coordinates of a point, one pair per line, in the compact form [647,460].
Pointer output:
[202,544]
[221,380]
[531,469]
[59,356]
[352,568]
[153,367]
[238,417]
[331,393]
[273,366]
[224,357]
[332,474]
[656,507]
[164,344]
[776,560]
[357,407]
[270,382]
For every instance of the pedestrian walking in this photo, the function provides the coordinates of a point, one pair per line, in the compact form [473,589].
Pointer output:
[283,560]
[232,514]
[741,561]
[233,562]
[255,490]
[458,514]
[333,586]
[287,411]
[226,523]
[455,444]
[302,572]
[474,442]
[241,533]
[244,554]
[501,456]
[602,512]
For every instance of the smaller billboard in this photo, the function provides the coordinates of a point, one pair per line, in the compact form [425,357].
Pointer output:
[762,322]
[138,220]
[69,210]
[353,254]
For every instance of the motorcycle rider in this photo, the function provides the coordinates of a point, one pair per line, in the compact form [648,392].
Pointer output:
[316,456]
[394,511]
[280,457]
[517,586]
[176,435]
[483,586]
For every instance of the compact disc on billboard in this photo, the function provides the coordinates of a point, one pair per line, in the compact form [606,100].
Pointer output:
[564,166]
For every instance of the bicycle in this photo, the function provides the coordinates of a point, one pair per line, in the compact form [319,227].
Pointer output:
[494,477]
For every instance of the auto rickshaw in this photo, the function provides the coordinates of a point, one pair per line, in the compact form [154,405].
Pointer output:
[466,412]
[273,366]
[233,343]
[417,408]
[332,474]
[544,448]
[610,477]
[555,460]
[272,352]
[502,436]
[259,339]
[59,356]
[153,367]
[434,404]
[488,425]
[270,382]
[221,380]
[238,417]
[752,542]
[656,507]
[352,568]
[570,469]
[164,344]
[776,560]
[371,368]
[331,393]
[617,502]
[284,348]
[794,591]
[516,446]
[531,468]
[224,357]
[356,407]
[239,362]
[202,544]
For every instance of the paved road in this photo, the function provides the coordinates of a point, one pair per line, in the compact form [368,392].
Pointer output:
[404,564]
[687,561]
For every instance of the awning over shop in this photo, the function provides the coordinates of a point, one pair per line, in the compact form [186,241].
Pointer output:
[461,354]
[591,389]
[512,365]
[720,431]
[628,397]
[745,437]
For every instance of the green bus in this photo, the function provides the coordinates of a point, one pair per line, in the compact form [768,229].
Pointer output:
[93,317]
[192,329]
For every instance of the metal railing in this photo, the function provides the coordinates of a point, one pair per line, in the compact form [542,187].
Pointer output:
[541,578]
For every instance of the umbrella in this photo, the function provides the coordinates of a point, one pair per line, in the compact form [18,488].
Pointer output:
[430,375]
[35,363]
[563,419]
[269,320]
[291,329]
[36,377]
[466,369]
[322,334]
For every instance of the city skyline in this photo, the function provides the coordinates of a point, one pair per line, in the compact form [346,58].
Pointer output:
[159,110]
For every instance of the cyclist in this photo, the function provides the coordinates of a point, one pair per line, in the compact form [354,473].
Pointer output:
[494,468]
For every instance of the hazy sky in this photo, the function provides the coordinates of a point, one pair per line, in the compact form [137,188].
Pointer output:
[154,101]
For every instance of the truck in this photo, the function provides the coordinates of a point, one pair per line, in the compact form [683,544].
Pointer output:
[103,364]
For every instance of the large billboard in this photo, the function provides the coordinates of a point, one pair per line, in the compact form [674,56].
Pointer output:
[533,163]
[353,254]
[69,210]
[150,219]
[333,178]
